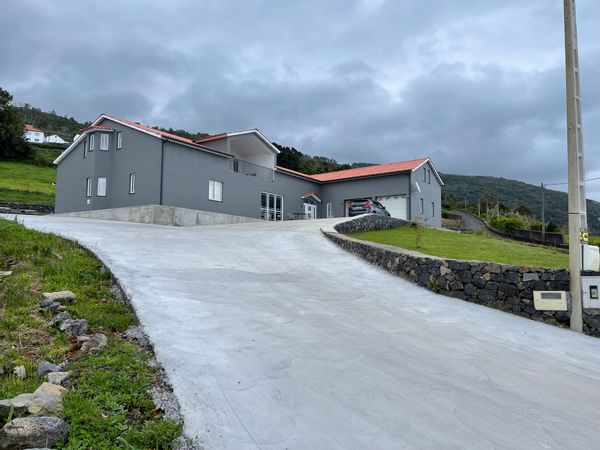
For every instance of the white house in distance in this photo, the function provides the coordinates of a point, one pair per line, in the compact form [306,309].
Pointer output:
[55,139]
[32,134]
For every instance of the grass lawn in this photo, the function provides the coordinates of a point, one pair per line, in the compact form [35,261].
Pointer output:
[469,246]
[108,405]
[24,182]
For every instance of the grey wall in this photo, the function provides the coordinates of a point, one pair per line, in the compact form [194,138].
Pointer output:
[187,172]
[430,192]
[339,191]
[141,154]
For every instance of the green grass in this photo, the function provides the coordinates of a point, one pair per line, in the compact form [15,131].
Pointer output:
[25,182]
[108,405]
[469,246]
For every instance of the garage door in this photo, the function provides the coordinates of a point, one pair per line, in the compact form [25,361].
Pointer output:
[396,205]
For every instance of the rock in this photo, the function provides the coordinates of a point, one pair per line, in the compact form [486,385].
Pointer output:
[29,432]
[20,372]
[444,270]
[94,344]
[62,297]
[58,377]
[456,285]
[47,400]
[5,273]
[19,406]
[530,277]
[492,268]
[45,367]
[48,306]
[57,319]
[74,327]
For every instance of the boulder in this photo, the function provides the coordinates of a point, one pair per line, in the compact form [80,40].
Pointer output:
[5,273]
[47,400]
[29,432]
[18,405]
[94,344]
[58,377]
[62,297]
[45,367]
[49,306]
[74,327]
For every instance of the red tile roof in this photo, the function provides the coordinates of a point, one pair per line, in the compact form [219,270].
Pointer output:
[369,171]
[360,172]
[212,137]
[163,134]
[32,128]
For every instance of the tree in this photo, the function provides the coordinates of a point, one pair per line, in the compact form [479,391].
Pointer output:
[523,210]
[12,143]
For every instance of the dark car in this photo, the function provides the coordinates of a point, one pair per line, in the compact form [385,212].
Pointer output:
[366,206]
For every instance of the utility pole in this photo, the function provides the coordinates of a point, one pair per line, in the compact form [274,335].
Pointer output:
[479,207]
[577,207]
[543,216]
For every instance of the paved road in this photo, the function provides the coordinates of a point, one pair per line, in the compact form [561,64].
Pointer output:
[471,222]
[275,338]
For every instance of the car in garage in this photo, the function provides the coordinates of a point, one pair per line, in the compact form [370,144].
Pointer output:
[366,206]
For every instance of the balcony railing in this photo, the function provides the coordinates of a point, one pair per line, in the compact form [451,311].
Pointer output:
[251,169]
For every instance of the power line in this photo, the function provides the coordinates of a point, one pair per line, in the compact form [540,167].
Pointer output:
[566,182]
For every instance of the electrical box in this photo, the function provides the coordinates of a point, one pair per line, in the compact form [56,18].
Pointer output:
[550,300]
[590,289]
[591,257]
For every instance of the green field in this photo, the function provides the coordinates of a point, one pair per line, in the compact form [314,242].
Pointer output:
[469,246]
[24,182]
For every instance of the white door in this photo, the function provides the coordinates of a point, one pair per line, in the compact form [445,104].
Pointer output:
[310,210]
[395,205]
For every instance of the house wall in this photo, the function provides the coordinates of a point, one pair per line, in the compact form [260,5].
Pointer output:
[187,172]
[141,154]
[430,192]
[339,191]
[34,136]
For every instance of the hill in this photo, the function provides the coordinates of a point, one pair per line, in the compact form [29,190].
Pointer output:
[512,194]
[50,122]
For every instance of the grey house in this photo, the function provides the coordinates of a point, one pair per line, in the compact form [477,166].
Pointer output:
[118,163]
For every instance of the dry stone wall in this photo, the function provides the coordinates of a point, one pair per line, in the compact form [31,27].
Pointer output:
[504,287]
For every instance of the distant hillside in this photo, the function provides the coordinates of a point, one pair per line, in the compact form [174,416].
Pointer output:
[50,122]
[512,194]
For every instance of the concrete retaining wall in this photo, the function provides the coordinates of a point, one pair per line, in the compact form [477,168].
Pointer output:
[162,215]
[504,287]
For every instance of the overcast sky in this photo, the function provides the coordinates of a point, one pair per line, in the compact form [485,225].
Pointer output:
[478,85]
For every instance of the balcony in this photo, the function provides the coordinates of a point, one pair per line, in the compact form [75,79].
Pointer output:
[251,170]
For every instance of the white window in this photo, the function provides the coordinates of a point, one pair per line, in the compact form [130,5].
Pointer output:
[101,187]
[271,206]
[119,140]
[329,210]
[92,142]
[215,190]
[432,209]
[89,187]
[104,141]
[132,183]
[421,206]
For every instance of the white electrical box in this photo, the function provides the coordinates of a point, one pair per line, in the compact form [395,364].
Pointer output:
[591,257]
[590,289]
[550,300]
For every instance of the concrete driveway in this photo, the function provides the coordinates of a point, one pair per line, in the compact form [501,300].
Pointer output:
[275,338]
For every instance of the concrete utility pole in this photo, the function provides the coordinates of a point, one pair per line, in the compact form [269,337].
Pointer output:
[577,207]
[543,216]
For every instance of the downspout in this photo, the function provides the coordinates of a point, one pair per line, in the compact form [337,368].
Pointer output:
[409,205]
[162,166]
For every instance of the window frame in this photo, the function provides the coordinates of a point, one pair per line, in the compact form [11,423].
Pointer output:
[425,174]
[329,210]
[421,205]
[85,148]
[132,183]
[267,212]
[104,139]
[89,187]
[92,143]
[119,140]
[212,191]
[432,209]
[98,185]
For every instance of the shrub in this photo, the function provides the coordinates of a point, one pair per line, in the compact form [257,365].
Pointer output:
[507,224]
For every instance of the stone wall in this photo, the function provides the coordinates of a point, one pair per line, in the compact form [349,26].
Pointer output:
[25,208]
[369,222]
[504,287]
